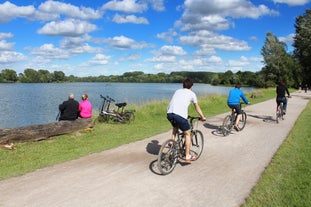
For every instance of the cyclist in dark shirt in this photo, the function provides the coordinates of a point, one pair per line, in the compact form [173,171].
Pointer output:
[281,91]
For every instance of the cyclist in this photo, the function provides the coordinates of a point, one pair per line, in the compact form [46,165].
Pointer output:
[233,102]
[177,113]
[281,91]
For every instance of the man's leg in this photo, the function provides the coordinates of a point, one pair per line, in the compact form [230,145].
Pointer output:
[187,147]
[237,121]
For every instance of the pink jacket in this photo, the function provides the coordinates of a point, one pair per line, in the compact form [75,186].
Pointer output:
[85,108]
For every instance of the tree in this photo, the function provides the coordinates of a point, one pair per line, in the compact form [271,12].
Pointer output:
[302,44]
[8,75]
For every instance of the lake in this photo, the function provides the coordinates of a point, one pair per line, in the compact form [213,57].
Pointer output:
[24,104]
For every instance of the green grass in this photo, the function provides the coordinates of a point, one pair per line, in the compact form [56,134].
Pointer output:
[287,179]
[150,120]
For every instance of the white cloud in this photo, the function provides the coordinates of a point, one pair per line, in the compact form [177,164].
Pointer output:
[128,6]
[292,2]
[172,50]
[207,39]
[10,11]
[167,36]
[162,58]
[5,35]
[157,5]
[60,8]
[4,45]
[289,39]
[11,57]
[50,52]
[122,42]
[99,59]
[69,27]
[213,15]
[121,19]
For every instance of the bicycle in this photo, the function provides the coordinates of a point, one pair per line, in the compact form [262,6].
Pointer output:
[106,115]
[280,112]
[172,150]
[229,121]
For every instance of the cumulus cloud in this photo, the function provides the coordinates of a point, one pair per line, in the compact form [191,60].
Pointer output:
[9,11]
[69,27]
[4,45]
[167,36]
[122,42]
[212,15]
[128,6]
[289,39]
[207,39]
[11,57]
[98,59]
[50,52]
[172,50]
[71,11]
[121,19]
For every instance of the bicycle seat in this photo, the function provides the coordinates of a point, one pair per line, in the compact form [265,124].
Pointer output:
[121,104]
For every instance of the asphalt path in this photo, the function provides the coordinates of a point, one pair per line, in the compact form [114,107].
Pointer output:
[127,176]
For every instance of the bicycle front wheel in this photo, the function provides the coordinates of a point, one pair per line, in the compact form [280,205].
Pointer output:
[227,125]
[242,122]
[197,143]
[167,157]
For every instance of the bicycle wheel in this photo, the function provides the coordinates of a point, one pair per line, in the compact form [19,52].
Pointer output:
[197,143]
[242,121]
[129,117]
[277,116]
[167,157]
[227,125]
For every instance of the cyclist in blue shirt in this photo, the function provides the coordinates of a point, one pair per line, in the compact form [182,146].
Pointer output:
[233,102]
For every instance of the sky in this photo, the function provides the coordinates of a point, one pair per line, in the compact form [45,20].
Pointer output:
[111,37]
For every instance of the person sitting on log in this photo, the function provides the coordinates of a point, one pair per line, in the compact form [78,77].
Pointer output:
[69,110]
[85,107]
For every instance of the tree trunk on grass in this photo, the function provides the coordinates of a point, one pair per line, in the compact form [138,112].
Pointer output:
[42,131]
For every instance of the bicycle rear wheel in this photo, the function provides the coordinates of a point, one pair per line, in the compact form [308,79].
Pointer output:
[167,157]
[197,143]
[242,122]
[227,125]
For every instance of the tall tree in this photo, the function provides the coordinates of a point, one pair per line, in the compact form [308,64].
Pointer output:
[275,60]
[302,44]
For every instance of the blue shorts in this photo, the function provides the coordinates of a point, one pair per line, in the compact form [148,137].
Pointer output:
[237,108]
[178,122]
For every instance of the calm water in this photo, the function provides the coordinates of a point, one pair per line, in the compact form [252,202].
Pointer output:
[27,104]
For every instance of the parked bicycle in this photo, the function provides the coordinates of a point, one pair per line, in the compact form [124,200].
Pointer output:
[172,150]
[116,116]
[229,121]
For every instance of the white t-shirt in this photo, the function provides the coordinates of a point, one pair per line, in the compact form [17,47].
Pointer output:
[180,102]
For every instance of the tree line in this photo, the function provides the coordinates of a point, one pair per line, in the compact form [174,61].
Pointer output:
[293,68]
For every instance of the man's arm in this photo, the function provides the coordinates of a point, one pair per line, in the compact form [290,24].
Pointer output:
[199,111]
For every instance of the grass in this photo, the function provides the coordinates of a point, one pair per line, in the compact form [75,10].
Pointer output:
[287,179]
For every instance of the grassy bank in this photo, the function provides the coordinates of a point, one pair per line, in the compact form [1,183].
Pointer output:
[150,120]
[287,180]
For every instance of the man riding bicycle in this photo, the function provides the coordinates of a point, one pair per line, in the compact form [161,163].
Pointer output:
[233,102]
[177,113]
[281,89]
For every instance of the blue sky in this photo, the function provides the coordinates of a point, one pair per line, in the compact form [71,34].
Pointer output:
[91,38]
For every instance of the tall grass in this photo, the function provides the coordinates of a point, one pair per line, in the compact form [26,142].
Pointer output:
[150,120]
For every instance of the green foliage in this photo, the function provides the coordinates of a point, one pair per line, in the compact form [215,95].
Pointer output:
[302,45]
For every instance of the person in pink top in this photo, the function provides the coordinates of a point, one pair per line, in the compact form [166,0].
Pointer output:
[85,107]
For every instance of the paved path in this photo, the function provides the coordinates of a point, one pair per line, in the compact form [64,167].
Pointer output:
[126,176]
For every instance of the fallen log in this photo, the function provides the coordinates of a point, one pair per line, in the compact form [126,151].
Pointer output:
[42,131]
